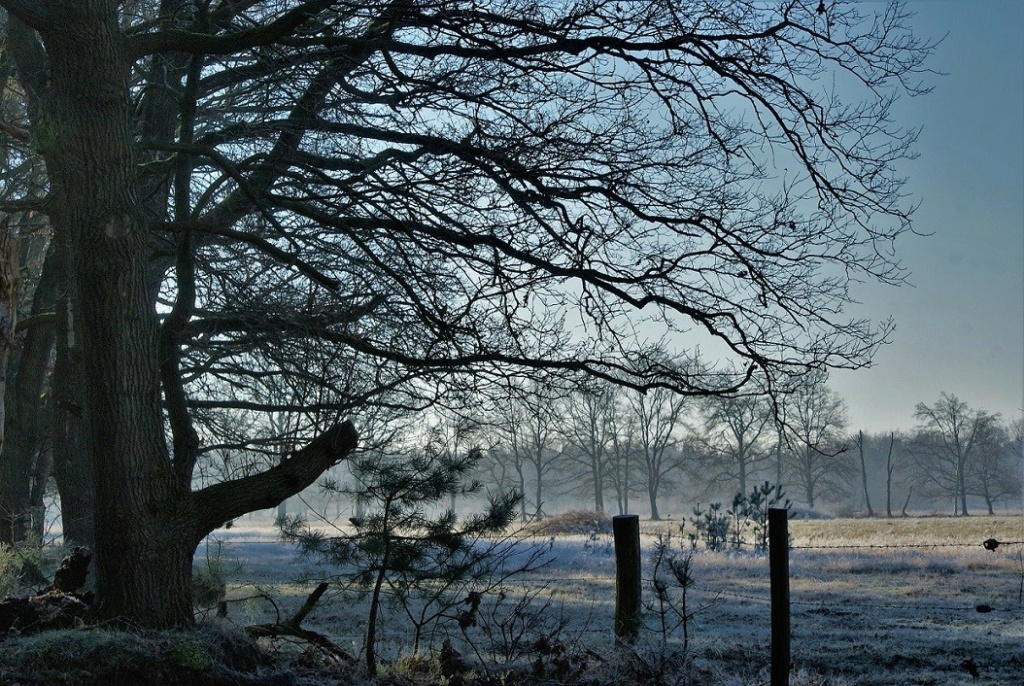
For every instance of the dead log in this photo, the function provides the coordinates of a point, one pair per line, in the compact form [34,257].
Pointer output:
[59,606]
[53,610]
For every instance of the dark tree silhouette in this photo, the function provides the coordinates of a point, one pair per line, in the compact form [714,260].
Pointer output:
[659,440]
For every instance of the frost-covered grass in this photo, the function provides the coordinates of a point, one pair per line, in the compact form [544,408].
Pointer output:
[213,654]
[898,613]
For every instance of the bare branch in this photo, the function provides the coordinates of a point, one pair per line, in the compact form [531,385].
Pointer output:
[15,132]
[225,501]
[179,40]
[285,258]
[35,13]
[293,627]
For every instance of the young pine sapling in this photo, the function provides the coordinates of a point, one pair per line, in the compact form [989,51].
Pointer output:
[397,545]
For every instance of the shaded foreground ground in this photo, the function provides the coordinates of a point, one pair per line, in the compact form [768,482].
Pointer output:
[874,602]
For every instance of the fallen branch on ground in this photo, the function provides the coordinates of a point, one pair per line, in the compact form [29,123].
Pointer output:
[293,627]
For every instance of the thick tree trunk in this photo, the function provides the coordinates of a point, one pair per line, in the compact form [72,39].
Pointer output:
[28,445]
[27,421]
[652,494]
[219,503]
[10,289]
[144,533]
[147,523]
[72,458]
[41,472]
[14,496]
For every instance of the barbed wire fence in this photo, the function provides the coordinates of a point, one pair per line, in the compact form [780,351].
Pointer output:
[842,608]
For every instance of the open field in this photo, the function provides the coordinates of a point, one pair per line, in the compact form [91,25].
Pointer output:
[903,612]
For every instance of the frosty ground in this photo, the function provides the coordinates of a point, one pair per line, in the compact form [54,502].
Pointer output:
[874,602]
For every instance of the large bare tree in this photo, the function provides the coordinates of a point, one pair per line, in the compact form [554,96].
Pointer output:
[427,193]
[624,454]
[530,424]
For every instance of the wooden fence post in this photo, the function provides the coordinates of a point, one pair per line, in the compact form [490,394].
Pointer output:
[778,563]
[626,529]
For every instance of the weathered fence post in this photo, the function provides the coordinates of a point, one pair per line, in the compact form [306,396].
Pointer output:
[626,529]
[778,563]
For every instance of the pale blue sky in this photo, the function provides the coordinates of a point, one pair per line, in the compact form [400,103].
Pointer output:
[960,328]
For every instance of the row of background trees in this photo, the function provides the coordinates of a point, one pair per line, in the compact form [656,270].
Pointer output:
[607,449]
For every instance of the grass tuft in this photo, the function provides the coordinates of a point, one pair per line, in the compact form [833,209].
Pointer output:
[208,655]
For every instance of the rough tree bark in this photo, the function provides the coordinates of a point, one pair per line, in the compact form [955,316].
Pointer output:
[13,511]
[72,460]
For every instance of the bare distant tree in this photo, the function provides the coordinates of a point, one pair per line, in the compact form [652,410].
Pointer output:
[734,437]
[453,436]
[624,455]
[892,464]
[995,471]
[532,428]
[864,473]
[816,420]
[659,415]
[590,430]
[884,467]
[951,438]
[1017,436]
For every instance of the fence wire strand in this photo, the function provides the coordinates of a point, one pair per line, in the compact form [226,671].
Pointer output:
[883,546]
[988,544]
[849,607]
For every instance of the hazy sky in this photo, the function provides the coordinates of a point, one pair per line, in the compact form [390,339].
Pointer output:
[960,328]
